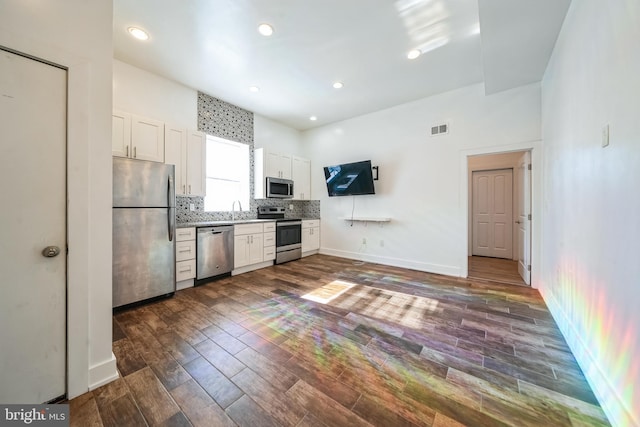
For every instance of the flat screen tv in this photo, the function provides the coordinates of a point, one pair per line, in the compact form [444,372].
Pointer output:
[349,179]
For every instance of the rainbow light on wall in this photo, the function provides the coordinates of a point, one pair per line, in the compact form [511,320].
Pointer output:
[602,339]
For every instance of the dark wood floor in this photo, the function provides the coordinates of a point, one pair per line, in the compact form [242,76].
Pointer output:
[395,348]
[495,269]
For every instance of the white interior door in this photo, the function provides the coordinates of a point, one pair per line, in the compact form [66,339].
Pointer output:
[523,221]
[493,213]
[33,183]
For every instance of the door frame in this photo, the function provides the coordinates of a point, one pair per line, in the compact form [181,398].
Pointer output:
[535,147]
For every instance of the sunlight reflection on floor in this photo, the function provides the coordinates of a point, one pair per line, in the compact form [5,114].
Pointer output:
[407,310]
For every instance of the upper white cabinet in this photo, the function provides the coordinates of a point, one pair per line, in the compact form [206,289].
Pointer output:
[175,153]
[301,175]
[277,165]
[186,150]
[120,134]
[196,163]
[281,165]
[137,137]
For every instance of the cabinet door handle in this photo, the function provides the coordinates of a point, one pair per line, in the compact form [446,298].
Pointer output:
[184,189]
[248,240]
[135,152]
[189,188]
[252,239]
[126,151]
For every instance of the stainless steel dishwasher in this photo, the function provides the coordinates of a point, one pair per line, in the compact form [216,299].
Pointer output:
[214,252]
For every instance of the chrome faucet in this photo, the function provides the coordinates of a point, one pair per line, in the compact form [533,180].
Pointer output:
[233,209]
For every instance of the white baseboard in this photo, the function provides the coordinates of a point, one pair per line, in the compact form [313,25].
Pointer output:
[184,284]
[308,253]
[252,267]
[608,396]
[447,270]
[103,373]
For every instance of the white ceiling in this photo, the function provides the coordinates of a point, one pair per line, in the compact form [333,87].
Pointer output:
[213,46]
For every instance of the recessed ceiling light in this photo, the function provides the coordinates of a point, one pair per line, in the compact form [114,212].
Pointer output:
[338,85]
[413,54]
[313,118]
[138,33]
[254,89]
[265,29]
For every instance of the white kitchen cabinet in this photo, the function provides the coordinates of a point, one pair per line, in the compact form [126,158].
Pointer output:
[269,163]
[248,245]
[310,236]
[120,133]
[277,164]
[137,137]
[248,249]
[269,244]
[196,163]
[185,257]
[301,175]
[175,153]
[186,150]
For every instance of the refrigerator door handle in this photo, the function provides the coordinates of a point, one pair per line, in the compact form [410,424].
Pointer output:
[170,224]
[170,217]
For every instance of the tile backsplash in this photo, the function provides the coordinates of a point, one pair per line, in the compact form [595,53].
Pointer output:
[224,120]
[301,209]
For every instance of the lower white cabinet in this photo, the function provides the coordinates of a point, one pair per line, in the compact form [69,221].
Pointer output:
[269,241]
[248,247]
[310,236]
[185,257]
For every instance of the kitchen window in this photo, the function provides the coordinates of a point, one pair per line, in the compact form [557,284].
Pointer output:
[227,171]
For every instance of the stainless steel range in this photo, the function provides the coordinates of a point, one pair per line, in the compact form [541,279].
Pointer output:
[288,233]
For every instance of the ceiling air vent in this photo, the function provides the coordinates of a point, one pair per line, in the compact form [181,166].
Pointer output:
[439,129]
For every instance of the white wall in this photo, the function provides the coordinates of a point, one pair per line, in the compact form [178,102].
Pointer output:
[141,92]
[77,34]
[275,136]
[591,231]
[420,184]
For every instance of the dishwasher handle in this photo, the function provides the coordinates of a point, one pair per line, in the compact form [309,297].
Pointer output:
[215,230]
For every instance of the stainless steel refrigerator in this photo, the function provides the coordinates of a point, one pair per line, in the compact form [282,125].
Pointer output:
[144,212]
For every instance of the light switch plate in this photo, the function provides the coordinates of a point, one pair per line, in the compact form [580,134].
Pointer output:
[291,207]
[192,206]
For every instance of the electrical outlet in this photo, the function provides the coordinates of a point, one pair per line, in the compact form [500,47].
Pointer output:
[364,241]
[291,207]
[192,207]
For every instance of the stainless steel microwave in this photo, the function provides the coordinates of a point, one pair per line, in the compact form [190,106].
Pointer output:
[278,188]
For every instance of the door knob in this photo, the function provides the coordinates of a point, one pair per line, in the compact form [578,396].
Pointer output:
[517,222]
[51,251]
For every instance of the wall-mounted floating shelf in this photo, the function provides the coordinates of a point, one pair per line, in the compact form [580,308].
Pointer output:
[367,219]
